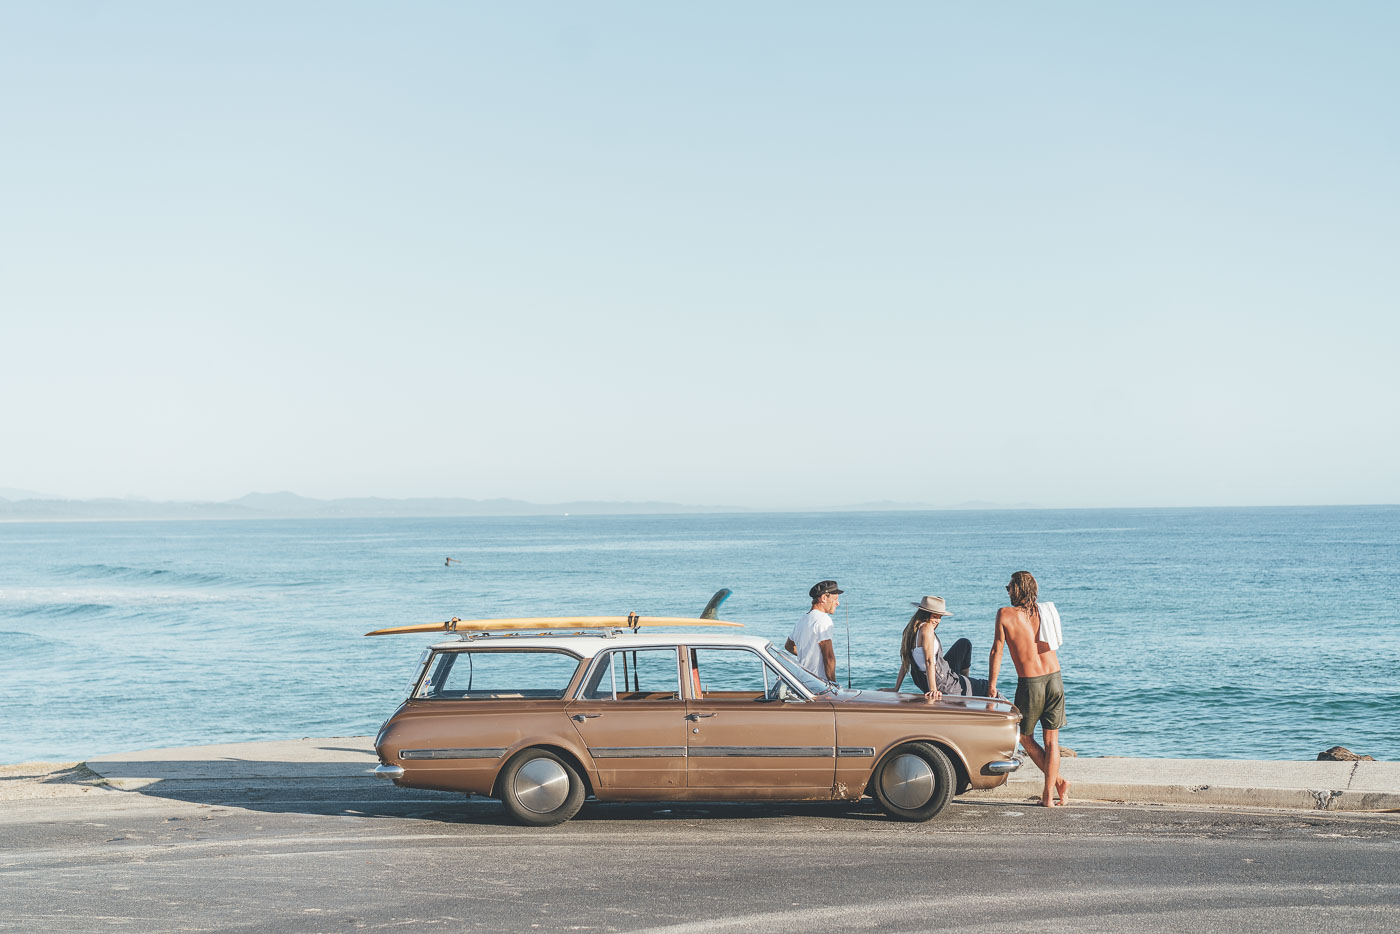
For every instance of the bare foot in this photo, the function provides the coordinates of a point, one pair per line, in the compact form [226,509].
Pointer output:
[1062,786]
[1047,802]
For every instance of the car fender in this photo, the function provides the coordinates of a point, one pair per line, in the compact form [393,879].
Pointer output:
[935,738]
[442,728]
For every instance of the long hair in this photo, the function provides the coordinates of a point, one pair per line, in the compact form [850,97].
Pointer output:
[911,631]
[1023,591]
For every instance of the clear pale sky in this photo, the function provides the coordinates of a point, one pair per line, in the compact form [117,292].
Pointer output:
[780,255]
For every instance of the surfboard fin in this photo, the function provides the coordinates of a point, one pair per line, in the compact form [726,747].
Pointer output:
[711,610]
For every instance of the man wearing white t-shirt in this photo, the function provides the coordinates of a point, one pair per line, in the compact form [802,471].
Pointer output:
[811,637]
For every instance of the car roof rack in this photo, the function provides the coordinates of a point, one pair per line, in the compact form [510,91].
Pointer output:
[542,634]
[542,625]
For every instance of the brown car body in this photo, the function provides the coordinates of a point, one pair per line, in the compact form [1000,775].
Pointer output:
[788,743]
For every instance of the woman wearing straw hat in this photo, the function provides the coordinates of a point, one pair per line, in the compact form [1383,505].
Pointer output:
[920,643]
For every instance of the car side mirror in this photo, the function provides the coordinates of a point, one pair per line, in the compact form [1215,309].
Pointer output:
[779,692]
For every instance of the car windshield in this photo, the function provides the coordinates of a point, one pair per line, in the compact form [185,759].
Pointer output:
[804,677]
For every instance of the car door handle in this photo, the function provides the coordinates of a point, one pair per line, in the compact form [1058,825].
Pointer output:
[580,717]
[697,716]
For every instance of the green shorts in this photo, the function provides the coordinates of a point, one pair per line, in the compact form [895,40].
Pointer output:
[1041,700]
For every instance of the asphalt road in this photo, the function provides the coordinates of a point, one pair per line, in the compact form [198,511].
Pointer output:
[340,856]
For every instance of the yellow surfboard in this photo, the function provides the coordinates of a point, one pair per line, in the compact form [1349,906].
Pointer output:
[632,621]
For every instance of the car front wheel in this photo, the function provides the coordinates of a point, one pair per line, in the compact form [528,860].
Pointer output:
[914,782]
[540,789]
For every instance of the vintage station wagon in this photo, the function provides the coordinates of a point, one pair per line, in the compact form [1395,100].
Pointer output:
[542,721]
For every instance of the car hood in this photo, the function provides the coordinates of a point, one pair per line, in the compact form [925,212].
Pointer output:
[890,698]
[878,698]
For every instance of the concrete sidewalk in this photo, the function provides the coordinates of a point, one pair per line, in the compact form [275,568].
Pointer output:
[328,759]
[1327,786]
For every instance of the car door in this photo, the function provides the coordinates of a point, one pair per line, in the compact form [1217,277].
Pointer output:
[744,739]
[630,714]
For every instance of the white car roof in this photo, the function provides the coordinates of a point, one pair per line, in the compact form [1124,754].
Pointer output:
[588,644]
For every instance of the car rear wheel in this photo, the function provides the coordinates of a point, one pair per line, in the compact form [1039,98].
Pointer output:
[914,782]
[540,789]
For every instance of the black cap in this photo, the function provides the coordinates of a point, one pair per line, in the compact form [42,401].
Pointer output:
[822,588]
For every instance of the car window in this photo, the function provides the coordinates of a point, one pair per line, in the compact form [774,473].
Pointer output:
[801,675]
[731,672]
[634,674]
[498,675]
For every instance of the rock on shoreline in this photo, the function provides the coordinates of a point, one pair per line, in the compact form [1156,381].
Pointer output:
[1342,754]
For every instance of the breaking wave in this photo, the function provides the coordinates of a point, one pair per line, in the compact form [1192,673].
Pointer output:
[77,602]
[163,576]
[56,610]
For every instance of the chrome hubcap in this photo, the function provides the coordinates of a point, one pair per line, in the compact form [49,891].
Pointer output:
[907,782]
[541,785]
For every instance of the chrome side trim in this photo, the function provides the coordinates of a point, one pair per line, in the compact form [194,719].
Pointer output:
[766,752]
[1003,767]
[854,752]
[388,771]
[451,753]
[636,752]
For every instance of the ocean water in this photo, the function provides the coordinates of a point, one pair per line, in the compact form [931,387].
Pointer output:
[1229,633]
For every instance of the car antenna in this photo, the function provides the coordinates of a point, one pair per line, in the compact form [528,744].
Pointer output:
[848,646]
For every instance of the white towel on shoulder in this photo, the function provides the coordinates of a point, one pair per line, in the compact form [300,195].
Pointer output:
[1050,626]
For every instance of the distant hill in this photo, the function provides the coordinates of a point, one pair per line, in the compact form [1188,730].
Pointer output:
[888,505]
[7,492]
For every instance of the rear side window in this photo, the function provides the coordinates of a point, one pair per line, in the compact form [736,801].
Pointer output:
[635,674]
[498,675]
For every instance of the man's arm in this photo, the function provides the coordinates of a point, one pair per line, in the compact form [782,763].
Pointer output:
[828,658]
[994,662]
[790,646]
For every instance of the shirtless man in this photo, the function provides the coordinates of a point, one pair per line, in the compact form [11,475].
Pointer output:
[1040,693]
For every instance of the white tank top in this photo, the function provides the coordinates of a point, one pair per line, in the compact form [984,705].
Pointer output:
[919,649]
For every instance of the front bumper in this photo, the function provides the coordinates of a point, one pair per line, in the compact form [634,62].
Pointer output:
[1003,767]
[388,771]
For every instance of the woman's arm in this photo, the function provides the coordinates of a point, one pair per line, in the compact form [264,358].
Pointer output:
[903,670]
[931,660]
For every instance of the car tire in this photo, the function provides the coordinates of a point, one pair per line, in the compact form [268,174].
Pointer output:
[914,782]
[540,789]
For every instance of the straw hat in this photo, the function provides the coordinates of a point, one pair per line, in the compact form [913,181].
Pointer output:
[934,605]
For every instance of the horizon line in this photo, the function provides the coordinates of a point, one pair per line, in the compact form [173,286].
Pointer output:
[305,507]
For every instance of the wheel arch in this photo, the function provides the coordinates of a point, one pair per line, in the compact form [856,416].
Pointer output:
[959,764]
[955,756]
[560,751]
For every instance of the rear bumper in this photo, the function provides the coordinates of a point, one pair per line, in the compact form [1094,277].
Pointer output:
[1002,767]
[388,771]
